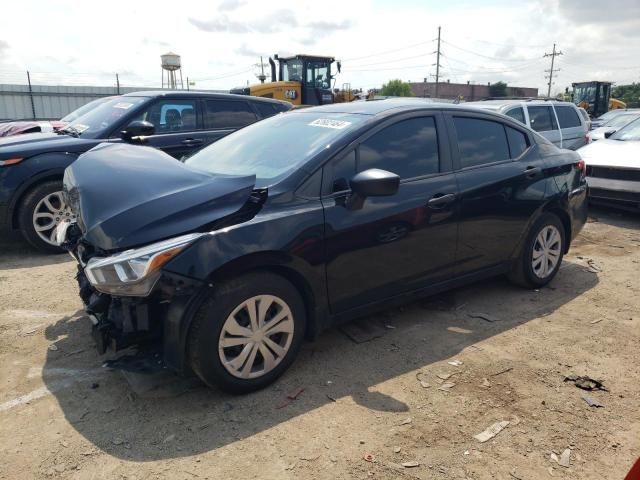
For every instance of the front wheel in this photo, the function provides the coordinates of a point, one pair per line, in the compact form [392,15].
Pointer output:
[248,333]
[542,253]
[42,210]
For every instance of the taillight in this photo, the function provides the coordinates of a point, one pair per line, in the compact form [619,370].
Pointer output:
[582,167]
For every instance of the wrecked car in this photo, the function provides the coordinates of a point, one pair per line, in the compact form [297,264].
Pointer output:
[222,265]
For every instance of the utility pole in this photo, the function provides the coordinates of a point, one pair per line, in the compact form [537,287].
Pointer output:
[437,64]
[553,56]
[117,84]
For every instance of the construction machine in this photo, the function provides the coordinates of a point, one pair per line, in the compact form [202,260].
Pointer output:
[301,80]
[595,97]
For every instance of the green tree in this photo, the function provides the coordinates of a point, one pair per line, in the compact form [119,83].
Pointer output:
[396,88]
[498,89]
[629,94]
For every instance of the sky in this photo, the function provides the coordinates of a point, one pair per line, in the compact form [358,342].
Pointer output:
[221,41]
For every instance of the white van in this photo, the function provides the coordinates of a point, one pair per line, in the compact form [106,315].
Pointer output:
[557,121]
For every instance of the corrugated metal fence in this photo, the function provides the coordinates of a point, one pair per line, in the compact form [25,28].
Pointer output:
[49,101]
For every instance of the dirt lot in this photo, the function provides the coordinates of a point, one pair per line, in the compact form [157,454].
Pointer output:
[63,416]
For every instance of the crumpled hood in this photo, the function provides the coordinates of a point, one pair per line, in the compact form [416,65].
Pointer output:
[125,195]
[611,153]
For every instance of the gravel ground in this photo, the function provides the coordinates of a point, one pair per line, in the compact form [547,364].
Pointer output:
[393,407]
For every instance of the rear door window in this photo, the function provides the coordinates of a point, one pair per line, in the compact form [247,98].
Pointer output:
[567,117]
[542,118]
[265,109]
[516,114]
[227,114]
[480,141]
[408,148]
[518,141]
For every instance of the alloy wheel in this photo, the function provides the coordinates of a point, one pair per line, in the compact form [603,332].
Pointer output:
[48,214]
[546,251]
[256,336]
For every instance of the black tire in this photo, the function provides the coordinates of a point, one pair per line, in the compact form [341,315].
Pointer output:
[522,272]
[207,327]
[27,210]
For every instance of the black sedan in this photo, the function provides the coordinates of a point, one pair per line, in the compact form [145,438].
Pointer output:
[32,165]
[226,262]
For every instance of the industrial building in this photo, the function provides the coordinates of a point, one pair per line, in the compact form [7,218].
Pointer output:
[465,91]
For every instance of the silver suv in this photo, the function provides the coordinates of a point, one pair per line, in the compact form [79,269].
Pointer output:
[557,121]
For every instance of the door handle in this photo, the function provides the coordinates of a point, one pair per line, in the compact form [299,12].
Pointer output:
[192,142]
[532,171]
[440,200]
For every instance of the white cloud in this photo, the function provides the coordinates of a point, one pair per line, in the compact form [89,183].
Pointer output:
[221,41]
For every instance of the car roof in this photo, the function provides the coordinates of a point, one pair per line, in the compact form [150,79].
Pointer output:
[386,105]
[496,104]
[196,93]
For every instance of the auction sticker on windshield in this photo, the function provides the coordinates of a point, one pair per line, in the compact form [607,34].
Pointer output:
[329,123]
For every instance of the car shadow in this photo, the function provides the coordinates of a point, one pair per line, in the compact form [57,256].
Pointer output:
[184,418]
[614,216]
[17,253]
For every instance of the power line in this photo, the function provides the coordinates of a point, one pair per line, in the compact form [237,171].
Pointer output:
[392,61]
[377,54]
[486,56]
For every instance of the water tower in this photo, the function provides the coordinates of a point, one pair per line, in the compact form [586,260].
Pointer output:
[171,65]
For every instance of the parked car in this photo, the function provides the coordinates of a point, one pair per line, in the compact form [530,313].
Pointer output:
[225,262]
[586,117]
[559,122]
[613,168]
[17,127]
[32,165]
[612,126]
[610,115]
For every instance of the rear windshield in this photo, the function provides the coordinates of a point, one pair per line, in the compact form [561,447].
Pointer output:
[274,147]
[629,132]
[621,120]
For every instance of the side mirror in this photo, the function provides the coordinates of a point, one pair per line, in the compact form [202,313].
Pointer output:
[138,128]
[372,183]
[609,133]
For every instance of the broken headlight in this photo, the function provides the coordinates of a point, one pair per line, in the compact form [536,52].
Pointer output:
[134,272]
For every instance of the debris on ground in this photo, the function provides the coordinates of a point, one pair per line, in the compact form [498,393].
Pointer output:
[406,421]
[53,347]
[397,449]
[291,397]
[423,383]
[591,402]
[390,327]
[444,376]
[485,383]
[368,457]
[586,383]
[593,266]
[483,316]
[563,459]
[363,330]
[445,387]
[492,431]
[508,369]
[597,320]
[455,363]
[410,464]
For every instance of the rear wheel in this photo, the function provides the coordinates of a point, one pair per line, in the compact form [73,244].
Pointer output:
[42,210]
[542,253]
[248,333]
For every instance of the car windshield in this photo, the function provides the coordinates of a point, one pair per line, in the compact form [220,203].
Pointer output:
[97,121]
[621,120]
[274,147]
[78,112]
[630,132]
[605,117]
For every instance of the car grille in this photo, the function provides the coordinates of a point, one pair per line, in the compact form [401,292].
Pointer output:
[614,173]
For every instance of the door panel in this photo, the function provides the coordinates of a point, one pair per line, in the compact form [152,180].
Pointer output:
[397,243]
[392,245]
[497,198]
[573,129]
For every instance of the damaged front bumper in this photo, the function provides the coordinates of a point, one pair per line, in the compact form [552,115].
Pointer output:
[131,322]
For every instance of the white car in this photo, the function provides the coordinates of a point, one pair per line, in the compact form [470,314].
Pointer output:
[612,126]
[613,168]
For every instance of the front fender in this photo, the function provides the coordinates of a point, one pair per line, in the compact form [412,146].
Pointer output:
[29,173]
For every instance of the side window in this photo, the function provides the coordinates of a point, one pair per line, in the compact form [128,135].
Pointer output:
[342,169]
[480,141]
[518,142]
[516,114]
[542,118]
[227,114]
[568,117]
[265,109]
[408,148]
[171,116]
